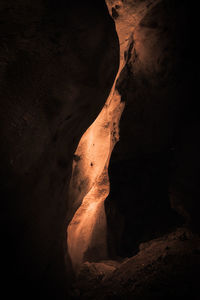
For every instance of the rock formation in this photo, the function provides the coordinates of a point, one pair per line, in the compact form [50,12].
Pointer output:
[58,63]
[59,124]
[153,169]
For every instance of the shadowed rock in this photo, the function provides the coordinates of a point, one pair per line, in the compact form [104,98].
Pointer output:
[58,62]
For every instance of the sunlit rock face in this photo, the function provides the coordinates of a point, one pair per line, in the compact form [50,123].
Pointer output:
[58,64]
[89,185]
[154,167]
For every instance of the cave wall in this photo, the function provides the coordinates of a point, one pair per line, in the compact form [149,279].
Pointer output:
[154,168]
[58,62]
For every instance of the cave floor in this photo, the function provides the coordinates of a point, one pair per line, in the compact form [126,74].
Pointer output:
[163,268]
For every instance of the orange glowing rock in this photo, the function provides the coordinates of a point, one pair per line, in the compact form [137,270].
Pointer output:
[87,230]
[89,186]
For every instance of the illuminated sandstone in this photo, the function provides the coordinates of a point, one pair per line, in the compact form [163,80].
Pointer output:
[89,184]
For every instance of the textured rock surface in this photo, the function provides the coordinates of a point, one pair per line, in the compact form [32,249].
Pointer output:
[158,271]
[58,62]
[156,160]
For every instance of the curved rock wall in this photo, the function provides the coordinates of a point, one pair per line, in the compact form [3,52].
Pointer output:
[58,62]
[154,166]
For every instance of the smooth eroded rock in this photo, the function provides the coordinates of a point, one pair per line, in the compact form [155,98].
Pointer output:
[58,62]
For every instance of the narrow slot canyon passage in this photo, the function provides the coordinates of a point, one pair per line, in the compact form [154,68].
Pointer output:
[89,185]
[86,233]
[99,150]
[126,226]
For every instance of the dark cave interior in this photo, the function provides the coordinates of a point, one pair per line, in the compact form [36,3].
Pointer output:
[78,77]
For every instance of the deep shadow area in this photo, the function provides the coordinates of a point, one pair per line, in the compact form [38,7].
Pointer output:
[58,61]
[139,200]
